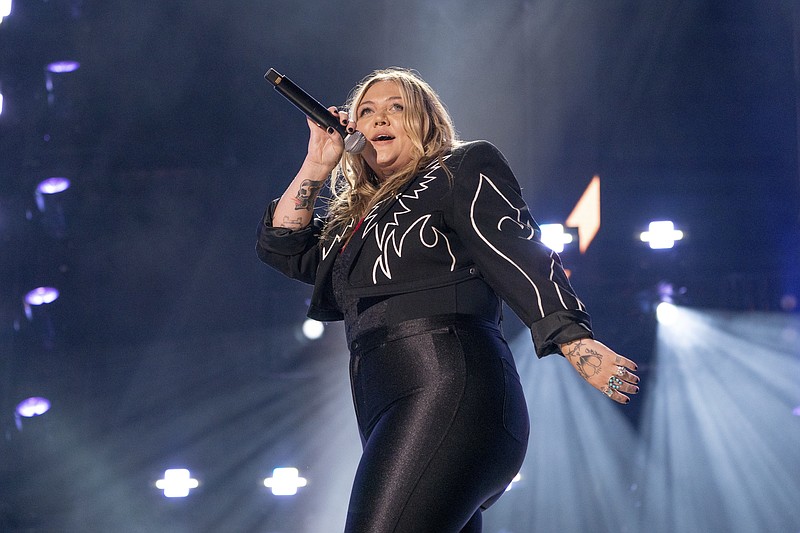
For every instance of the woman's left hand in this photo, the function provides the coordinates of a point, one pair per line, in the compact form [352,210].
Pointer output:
[604,369]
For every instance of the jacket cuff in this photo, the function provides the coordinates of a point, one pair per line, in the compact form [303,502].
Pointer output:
[558,328]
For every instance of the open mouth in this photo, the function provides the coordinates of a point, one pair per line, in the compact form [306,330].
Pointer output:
[383,138]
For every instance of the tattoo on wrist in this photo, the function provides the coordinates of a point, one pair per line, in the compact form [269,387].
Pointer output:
[586,360]
[307,194]
[292,222]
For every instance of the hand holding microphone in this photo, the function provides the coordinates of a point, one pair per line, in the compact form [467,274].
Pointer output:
[353,142]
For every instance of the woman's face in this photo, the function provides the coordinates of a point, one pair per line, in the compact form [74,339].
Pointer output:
[379,117]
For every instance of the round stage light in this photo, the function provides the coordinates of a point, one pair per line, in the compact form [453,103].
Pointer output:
[41,296]
[53,185]
[666,313]
[33,406]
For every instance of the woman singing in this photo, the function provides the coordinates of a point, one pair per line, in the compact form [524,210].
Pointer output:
[424,237]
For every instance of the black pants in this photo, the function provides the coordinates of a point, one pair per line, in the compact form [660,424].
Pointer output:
[443,423]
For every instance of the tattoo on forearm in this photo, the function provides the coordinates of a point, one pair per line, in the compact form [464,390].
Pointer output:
[307,194]
[588,363]
[292,222]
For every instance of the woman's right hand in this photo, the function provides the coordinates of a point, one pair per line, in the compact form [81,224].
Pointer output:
[325,148]
[295,208]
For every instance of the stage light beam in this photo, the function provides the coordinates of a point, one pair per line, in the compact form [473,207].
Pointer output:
[719,448]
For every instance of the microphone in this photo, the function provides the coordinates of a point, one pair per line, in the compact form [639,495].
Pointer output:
[353,142]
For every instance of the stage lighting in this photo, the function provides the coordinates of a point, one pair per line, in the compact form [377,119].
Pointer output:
[661,235]
[34,406]
[285,481]
[53,185]
[5,9]
[554,237]
[49,187]
[1,103]
[312,329]
[666,313]
[63,67]
[516,479]
[177,483]
[41,296]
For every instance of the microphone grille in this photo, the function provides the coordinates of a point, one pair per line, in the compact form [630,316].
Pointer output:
[354,143]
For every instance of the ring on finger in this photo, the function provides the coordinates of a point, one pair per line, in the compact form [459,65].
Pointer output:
[614,382]
[609,392]
[620,371]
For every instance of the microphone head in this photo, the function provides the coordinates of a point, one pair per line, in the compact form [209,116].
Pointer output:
[355,142]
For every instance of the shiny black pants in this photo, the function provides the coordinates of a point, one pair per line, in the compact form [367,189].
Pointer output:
[443,424]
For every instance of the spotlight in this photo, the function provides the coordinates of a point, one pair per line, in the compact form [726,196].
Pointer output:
[53,185]
[177,483]
[661,235]
[63,67]
[666,313]
[285,481]
[312,329]
[48,188]
[53,204]
[554,237]
[41,296]
[38,297]
[34,406]
[5,9]
[516,479]
[1,98]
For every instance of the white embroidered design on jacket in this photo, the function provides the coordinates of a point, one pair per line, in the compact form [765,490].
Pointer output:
[518,223]
[337,238]
[386,236]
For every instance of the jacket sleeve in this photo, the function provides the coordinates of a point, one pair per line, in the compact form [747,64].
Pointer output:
[293,253]
[492,220]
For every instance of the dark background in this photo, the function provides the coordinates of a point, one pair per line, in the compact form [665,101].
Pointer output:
[169,331]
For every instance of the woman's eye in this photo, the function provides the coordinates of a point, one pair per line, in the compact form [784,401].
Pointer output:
[397,108]
[365,111]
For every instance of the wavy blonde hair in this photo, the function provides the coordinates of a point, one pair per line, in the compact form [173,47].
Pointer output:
[355,188]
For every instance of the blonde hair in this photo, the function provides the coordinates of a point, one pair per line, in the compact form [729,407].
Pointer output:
[355,188]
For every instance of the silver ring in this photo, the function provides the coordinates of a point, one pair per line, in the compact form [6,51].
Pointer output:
[620,371]
[614,382]
[609,392]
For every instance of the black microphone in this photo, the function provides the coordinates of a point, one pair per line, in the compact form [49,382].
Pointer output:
[353,142]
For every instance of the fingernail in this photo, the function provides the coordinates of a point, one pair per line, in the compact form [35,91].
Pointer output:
[330,129]
[351,129]
[637,389]
[627,400]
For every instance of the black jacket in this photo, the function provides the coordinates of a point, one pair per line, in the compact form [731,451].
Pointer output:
[436,232]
